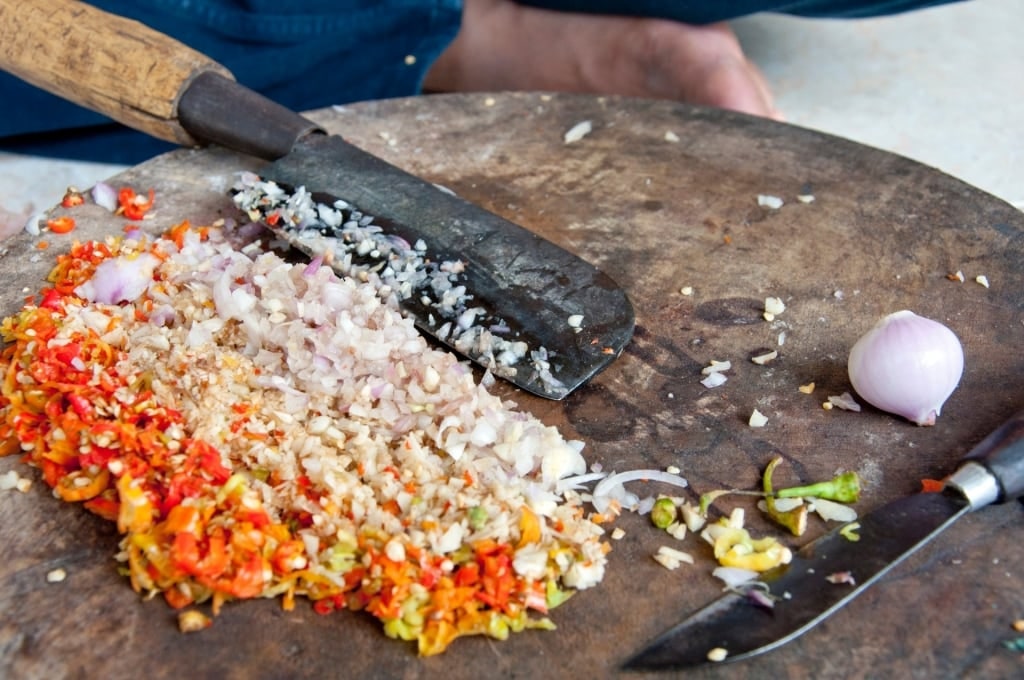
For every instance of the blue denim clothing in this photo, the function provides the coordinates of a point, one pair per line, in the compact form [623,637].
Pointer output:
[305,54]
[308,54]
[712,11]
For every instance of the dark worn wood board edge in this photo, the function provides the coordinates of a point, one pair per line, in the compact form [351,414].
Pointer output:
[882,233]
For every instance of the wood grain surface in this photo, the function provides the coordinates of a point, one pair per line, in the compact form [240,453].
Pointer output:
[658,215]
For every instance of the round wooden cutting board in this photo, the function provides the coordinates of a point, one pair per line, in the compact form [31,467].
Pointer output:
[663,197]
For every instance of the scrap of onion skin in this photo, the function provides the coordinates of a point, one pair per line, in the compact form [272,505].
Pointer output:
[716,379]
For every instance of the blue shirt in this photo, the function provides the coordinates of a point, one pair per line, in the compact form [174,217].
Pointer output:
[307,54]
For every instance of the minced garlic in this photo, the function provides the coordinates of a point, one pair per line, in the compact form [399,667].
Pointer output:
[757,419]
[192,621]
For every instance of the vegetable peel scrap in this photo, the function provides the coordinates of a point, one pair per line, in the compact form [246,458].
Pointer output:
[735,547]
[844,488]
[849,532]
[794,519]
[171,415]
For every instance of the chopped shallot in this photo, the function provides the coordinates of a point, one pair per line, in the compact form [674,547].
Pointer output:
[716,379]
[841,577]
[845,401]
[577,482]
[713,373]
[734,576]
[773,306]
[762,359]
[760,598]
[578,131]
[9,480]
[120,279]
[757,419]
[611,487]
[832,511]
[716,367]
[670,558]
[56,575]
[620,478]
[105,196]
[32,226]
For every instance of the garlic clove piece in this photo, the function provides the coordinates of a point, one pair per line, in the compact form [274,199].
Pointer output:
[908,365]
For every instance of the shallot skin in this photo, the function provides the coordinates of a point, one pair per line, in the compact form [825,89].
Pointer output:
[120,279]
[907,365]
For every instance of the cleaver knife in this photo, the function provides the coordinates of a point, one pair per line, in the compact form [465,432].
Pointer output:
[533,313]
[829,572]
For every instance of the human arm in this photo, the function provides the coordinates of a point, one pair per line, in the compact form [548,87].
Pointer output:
[503,45]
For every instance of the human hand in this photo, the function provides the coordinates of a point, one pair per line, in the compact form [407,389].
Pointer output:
[506,46]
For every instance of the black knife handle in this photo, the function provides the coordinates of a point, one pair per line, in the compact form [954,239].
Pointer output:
[1002,455]
[217,110]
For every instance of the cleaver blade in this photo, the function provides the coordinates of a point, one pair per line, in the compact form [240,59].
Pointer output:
[527,288]
[802,591]
[517,282]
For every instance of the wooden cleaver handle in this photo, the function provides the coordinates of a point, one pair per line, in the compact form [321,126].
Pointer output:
[104,62]
[140,77]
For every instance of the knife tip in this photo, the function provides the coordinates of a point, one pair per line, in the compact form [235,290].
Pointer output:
[656,658]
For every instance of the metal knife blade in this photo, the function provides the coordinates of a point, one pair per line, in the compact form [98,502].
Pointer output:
[159,86]
[803,595]
[517,281]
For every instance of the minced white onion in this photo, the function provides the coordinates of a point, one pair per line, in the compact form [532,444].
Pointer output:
[716,379]
[578,131]
[120,279]
[578,482]
[619,478]
[734,576]
[360,404]
[831,511]
[611,488]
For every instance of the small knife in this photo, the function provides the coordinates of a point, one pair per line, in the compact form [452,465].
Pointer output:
[532,312]
[737,626]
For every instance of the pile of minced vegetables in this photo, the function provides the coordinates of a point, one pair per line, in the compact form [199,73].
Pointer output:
[258,428]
